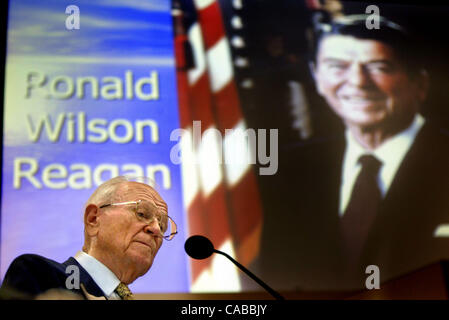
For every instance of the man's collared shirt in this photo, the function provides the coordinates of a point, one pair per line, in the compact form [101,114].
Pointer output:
[103,277]
[390,153]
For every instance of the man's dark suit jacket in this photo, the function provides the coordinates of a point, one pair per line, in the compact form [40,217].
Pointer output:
[31,274]
[301,241]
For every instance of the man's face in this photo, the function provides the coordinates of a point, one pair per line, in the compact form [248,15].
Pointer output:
[365,84]
[126,239]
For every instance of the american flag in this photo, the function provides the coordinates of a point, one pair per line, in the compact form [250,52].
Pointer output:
[221,198]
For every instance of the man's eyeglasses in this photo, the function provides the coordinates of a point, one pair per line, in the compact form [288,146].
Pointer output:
[147,212]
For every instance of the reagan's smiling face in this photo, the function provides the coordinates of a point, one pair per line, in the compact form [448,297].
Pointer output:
[365,84]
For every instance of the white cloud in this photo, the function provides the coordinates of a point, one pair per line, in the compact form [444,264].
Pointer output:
[153,5]
[35,29]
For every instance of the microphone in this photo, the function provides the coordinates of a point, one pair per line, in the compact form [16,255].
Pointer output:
[199,247]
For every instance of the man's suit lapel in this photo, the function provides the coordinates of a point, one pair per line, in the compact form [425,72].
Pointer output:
[328,183]
[324,220]
[323,200]
[89,284]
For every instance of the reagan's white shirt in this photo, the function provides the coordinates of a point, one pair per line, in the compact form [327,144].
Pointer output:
[390,153]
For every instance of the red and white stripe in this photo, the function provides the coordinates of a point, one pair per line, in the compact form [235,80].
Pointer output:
[221,199]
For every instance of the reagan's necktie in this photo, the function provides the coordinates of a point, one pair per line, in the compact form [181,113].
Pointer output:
[362,208]
[124,292]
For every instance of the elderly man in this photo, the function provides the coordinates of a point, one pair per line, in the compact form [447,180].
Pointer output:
[125,222]
[377,195]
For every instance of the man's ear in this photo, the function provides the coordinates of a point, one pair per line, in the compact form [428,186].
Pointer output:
[313,72]
[91,221]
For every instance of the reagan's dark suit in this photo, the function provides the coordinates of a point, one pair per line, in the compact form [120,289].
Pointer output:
[32,274]
[301,241]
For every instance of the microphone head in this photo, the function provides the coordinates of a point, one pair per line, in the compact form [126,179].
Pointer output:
[199,247]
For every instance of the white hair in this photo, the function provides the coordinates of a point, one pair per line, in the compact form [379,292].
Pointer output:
[107,191]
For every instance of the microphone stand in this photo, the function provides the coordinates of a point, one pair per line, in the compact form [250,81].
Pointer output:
[276,295]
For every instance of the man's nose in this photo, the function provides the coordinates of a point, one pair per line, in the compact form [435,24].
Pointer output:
[153,228]
[358,76]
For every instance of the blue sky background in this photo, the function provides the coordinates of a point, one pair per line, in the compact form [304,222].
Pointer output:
[114,36]
[108,28]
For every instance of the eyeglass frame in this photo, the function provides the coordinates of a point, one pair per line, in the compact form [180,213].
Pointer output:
[167,237]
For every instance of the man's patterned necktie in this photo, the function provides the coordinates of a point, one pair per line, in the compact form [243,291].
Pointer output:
[124,292]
